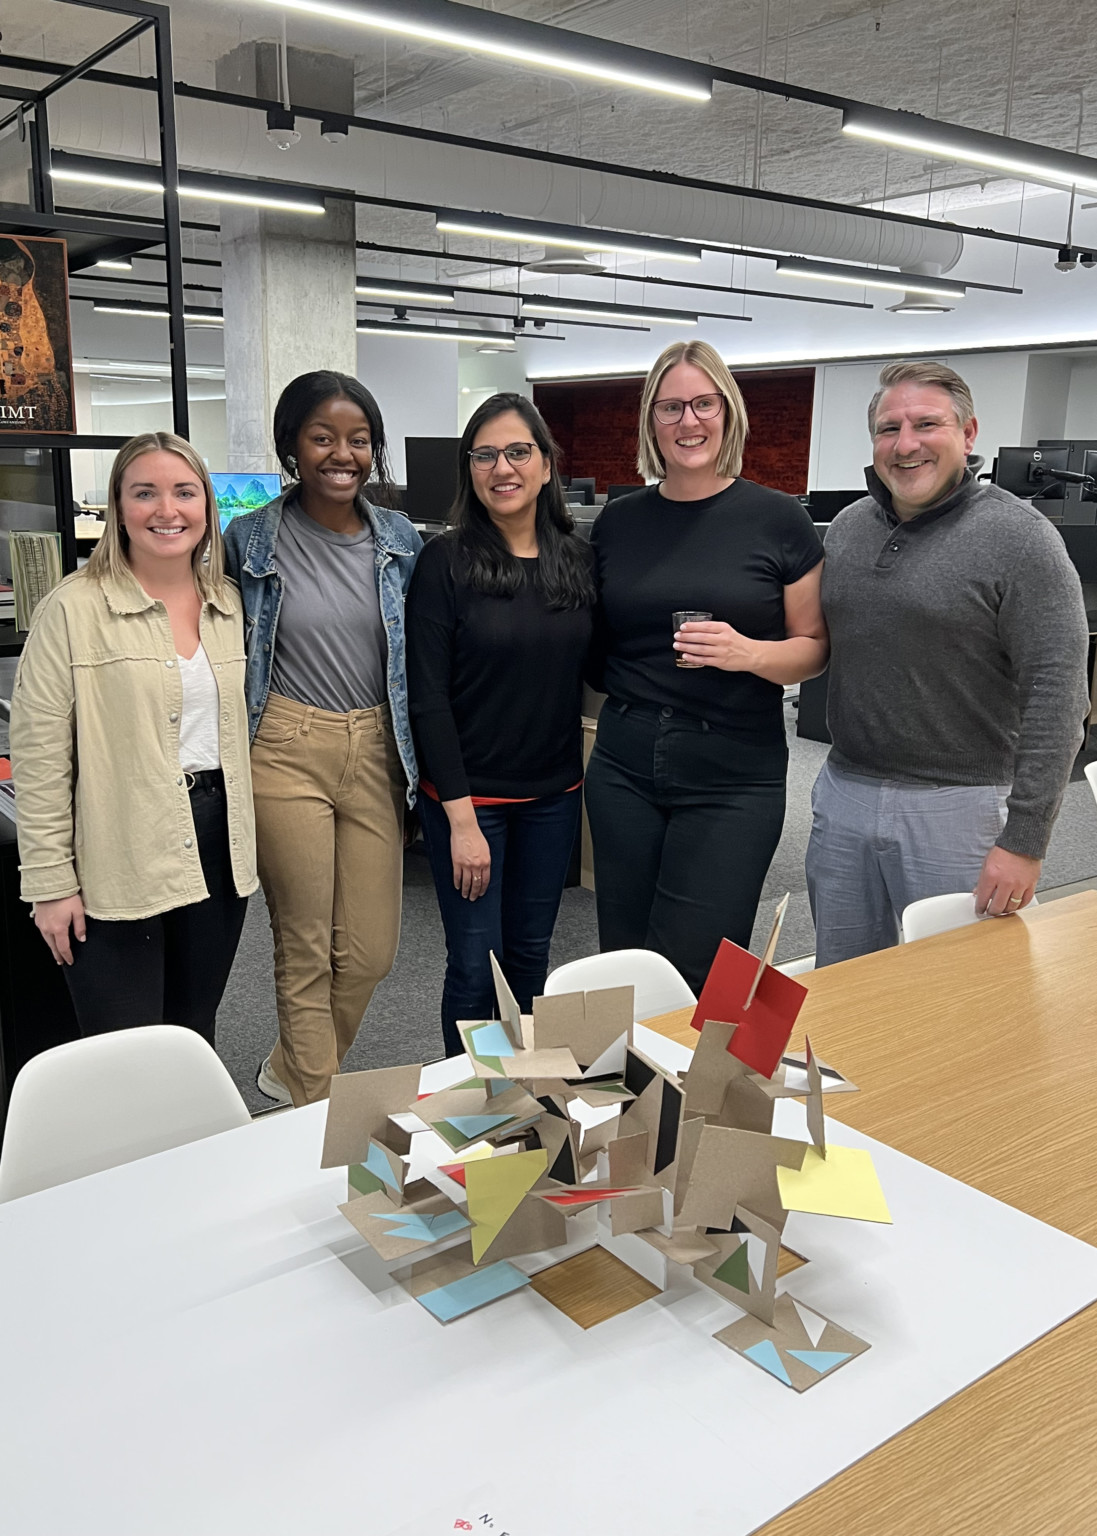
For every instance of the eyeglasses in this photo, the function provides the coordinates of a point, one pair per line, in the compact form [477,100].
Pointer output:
[487,458]
[704,407]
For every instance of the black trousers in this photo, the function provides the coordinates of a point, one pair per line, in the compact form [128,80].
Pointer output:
[684,819]
[169,969]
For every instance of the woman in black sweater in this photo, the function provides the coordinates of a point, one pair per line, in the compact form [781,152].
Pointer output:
[499,618]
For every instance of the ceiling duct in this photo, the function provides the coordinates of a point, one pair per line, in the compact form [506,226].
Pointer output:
[91,118]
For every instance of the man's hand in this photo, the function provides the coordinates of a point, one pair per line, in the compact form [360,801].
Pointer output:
[1007,883]
[54,919]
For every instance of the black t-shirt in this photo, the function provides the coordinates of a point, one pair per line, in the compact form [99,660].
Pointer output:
[495,684]
[730,555]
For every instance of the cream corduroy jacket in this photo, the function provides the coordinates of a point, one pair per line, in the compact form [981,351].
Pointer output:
[103,806]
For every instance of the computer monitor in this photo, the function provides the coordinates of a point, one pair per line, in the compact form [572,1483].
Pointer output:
[1089,467]
[1081,543]
[1025,472]
[824,506]
[432,477]
[237,494]
[621,490]
[581,492]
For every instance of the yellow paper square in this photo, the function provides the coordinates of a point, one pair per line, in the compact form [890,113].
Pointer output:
[843,1183]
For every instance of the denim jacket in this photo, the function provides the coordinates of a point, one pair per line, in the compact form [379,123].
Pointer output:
[249,558]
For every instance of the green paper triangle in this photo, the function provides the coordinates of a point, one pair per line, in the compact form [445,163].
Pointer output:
[362,1180]
[457,1139]
[735,1271]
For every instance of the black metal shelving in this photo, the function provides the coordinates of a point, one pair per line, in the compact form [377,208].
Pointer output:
[90,238]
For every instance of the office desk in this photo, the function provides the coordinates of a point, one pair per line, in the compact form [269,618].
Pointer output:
[982,1065]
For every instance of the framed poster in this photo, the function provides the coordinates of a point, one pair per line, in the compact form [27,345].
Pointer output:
[35,344]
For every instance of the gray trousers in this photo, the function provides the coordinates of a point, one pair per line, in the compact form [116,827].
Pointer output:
[876,845]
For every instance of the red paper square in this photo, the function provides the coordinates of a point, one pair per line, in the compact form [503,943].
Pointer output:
[765,1027]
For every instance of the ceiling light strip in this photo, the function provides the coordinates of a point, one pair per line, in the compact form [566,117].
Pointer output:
[514,40]
[153,312]
[373,289]
[538,304]
[970,146]
[211,194]
[575,237]
[870,277]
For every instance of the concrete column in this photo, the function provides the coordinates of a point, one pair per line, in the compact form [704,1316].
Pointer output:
[287,279]
[288,292]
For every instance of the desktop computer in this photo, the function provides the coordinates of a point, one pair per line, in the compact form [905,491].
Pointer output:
[1030,472]
[432,478]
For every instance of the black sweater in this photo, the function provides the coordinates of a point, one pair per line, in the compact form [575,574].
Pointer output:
[494,683]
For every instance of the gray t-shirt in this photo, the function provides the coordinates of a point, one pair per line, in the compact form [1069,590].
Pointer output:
[330,647]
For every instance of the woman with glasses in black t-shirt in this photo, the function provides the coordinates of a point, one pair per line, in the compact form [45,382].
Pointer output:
[686,785]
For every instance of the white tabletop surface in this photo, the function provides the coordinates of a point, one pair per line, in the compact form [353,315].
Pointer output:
[199,1343]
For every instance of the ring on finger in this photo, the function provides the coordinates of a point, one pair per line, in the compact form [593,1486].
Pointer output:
[1015,901]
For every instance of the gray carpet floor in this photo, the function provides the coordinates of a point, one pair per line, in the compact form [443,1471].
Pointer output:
[402,1022]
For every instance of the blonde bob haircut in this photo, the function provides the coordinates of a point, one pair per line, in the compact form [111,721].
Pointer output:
[110,557]
[649,461]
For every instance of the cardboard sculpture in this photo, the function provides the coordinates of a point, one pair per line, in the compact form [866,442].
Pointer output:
[568,1136]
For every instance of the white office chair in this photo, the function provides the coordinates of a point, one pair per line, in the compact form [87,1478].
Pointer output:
[1091,775]
[109,1099]
[796,967]
[937,914]
[659,987]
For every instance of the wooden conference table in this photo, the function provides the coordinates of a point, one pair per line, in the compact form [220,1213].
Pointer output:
[974,1052]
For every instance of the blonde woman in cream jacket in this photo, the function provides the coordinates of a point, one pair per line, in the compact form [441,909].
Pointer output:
[129,744]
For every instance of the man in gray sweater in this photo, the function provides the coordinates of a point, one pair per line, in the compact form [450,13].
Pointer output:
[957,679]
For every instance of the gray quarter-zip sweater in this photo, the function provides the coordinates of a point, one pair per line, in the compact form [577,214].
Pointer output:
[958,649]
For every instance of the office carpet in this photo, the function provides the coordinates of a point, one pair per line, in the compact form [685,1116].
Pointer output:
[402,1022]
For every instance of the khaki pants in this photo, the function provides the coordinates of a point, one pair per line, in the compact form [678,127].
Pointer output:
[329,799]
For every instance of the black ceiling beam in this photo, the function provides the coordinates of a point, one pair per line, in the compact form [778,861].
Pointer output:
[576,162]
[75,71]
[616,277]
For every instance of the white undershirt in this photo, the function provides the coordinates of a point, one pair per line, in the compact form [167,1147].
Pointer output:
[199,737]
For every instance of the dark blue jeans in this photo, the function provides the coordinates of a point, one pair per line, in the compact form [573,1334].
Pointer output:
[684,820]
[531,843]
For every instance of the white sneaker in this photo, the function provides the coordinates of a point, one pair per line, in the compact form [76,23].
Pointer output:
[272,1086]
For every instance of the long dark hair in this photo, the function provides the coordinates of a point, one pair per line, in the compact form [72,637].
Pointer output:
[564,568]
[303,395]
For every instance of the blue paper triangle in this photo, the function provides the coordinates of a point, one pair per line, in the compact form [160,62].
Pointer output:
[378,1164]
[491,1040]
[820,1359]
[765,1354]
[477,1125]
[425,1229]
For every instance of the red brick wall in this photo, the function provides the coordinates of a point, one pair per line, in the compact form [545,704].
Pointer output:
[595,425]
[779,412]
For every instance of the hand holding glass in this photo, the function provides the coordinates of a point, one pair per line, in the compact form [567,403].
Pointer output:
[687,616]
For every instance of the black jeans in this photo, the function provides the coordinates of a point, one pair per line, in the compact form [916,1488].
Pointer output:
[531,843]
[172,968]
[685,819]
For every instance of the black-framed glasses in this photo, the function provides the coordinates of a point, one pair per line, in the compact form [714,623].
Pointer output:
[704,407]
[487,458]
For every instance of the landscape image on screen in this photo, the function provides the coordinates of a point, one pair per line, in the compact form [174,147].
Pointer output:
[237,494]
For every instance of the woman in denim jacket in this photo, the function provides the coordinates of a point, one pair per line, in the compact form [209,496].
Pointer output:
[323,573]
